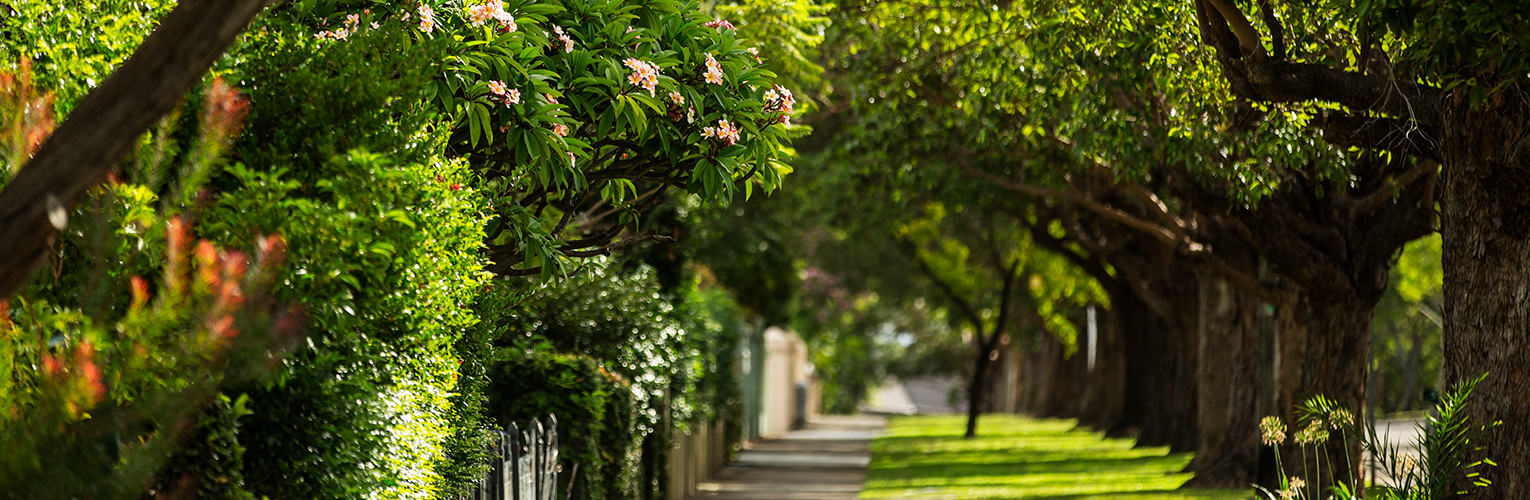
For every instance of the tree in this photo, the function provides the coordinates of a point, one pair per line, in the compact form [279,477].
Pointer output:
[1125,136]
[1432,80]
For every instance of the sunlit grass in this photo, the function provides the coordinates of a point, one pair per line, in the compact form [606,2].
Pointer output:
[1018,457]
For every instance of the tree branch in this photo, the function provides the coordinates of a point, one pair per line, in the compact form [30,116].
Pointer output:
[1248,38]
[1390,134]
[962,304]
[1156,231]
[1010,277]
[34,206]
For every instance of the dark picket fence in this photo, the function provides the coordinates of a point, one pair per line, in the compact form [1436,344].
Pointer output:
[525,464]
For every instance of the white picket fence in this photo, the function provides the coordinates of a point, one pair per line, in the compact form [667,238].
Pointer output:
[525,464]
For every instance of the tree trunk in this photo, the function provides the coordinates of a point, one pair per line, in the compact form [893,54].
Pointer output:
[976,389]
[1137,325]
[1161,375]
[1227,448]
[1106,385]
[1486,253]
[1324,344]
[1058,392]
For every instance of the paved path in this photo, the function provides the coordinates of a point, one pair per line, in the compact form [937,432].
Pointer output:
[825,461]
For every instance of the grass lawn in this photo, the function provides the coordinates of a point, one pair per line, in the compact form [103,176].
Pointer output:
[1019,457]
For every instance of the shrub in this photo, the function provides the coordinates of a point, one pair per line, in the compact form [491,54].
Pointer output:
[1450,463]
[386,264]
[594,410]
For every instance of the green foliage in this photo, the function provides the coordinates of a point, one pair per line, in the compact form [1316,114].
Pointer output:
[383,155]
[74,45]
[1451,461]
[1408,329]
[386,264]
[565,106]
[594,408]
[622,365]
[788,33]
[1419,271]
[1476,43]
[110,357]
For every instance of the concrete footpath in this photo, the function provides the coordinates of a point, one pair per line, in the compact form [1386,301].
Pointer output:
[825,461]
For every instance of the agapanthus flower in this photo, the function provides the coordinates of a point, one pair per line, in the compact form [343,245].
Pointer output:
[1340,418]
[1315,433]
[714,74]
[427,18]
[1272,431]
[644,74]
[720,24]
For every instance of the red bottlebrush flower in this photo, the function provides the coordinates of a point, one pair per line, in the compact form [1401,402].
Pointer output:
[207,264]
[51,366]
[175,251]
[140,289]
[206,253]
[224,110]
[85,357]
[234,265]
[223,328]
[273,249]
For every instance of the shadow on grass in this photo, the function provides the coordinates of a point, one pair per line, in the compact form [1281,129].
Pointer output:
[1017,457]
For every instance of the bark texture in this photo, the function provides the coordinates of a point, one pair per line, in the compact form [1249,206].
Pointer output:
[1104,391]
[1324,347]
[1486,226]
[1227,449]
[88,145]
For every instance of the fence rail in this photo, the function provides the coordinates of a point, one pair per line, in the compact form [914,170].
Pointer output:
[525,463]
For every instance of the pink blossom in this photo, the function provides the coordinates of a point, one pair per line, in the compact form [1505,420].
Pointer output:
[550,98]
[644,74]
[779,99]
[724,132]
[714,74]
[512,96]
[427,18]
[720,24]
[497,87]
[493,9]
[560,129]
[568,43]
[477,14]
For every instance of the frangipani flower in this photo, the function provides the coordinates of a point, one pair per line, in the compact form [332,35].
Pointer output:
[714,73]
